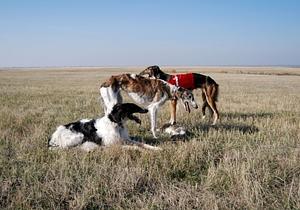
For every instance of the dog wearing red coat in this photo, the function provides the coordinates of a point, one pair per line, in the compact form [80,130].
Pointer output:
[190,81]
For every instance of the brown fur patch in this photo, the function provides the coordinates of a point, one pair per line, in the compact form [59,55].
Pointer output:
[152,88]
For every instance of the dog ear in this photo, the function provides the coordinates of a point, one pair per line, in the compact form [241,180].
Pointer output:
[111,82]
[178,92]
[180,89]
[152,71]
[107,83]
[124,79]
[155,71]
[116,114]
[114,83]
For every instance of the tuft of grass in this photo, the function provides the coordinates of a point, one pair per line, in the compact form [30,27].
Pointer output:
[249,160]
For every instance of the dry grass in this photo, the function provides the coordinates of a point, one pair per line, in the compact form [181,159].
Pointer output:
[250,160]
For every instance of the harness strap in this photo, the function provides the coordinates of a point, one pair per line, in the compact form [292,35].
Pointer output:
[176,80]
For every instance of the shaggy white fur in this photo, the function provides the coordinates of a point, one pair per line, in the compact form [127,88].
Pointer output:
[106,131]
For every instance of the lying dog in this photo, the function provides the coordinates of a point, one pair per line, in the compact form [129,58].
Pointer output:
[191,81]
[106,131]
[152,93]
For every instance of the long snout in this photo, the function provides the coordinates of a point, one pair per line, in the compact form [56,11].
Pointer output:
[142,73]
[194,105]
[140,110]
[143,111]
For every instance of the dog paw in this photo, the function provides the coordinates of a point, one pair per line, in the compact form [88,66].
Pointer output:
[154,134]
[214,122]
[157,149]
[172,122]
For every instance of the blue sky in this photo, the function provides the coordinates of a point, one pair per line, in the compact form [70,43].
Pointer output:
[141,33]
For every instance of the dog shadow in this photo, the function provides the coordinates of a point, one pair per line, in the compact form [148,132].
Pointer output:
[206,127]
[193,132]
[163,138]
[240,127]
[245,116]
[231,126]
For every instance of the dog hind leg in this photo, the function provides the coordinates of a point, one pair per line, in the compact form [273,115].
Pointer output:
[211,102]
[204,105]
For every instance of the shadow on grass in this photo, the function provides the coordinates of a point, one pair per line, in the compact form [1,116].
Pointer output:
[243,128]
[245,116]
[202,127]
[206,127]
[162,137]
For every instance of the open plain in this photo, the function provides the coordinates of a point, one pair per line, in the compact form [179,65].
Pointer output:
[249,160]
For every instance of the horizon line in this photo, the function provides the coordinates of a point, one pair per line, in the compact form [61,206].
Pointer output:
[137,66]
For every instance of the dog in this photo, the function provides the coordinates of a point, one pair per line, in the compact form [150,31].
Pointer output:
[174,131]
[191,81]
[106,131]
[152,93]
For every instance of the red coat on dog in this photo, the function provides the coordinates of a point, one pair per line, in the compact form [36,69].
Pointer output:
[183,80]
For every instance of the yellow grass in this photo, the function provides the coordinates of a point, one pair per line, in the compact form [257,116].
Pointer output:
[250,160]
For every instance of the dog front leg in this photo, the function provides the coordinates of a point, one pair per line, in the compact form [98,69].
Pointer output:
[153,113]
[173,106]
[135,145]
[105,98]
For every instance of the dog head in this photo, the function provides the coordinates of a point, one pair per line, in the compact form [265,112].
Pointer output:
[187,97]
[112,82]
[152,72]
[122,112]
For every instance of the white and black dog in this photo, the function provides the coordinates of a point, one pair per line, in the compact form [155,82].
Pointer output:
[105,131]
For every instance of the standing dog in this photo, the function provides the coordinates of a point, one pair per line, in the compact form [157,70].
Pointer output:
[191,81]
[106,131]
[152,93]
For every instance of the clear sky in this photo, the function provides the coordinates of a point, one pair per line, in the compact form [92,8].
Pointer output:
[130,33]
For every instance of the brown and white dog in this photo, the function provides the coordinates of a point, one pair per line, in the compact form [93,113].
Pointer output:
[209,87]
[152,93]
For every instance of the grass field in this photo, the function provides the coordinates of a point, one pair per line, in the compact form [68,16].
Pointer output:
[249,160]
